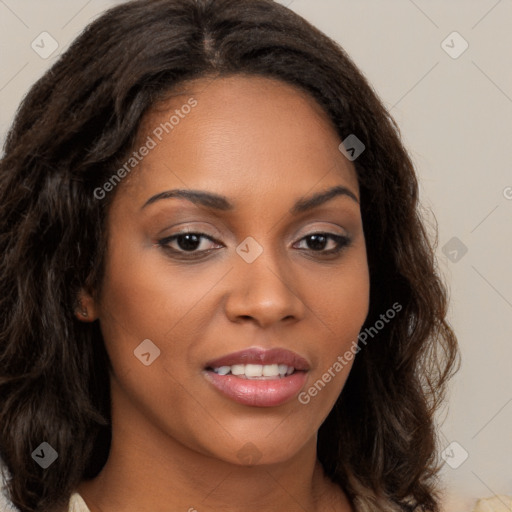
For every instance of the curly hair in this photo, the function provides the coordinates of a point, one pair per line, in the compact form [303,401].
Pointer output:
[78,122]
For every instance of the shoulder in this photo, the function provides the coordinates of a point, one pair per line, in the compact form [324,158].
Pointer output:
[5,504]
[77,504]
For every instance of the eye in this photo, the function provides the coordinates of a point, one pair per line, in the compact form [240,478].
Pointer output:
[317,242]
[188,244]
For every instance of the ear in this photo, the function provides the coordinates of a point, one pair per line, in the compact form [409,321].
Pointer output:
[86,309]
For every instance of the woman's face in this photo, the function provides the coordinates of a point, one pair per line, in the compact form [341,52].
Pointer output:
[254,276]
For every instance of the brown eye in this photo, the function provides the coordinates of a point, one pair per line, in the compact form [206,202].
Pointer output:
[317,242]
[186,242]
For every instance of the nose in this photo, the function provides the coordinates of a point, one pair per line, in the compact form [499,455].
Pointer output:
[262,292]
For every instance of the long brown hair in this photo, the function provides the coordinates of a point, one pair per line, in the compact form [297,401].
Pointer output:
[76,126]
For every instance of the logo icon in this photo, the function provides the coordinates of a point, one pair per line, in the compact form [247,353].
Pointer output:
[249,454]
[44,455]
[454,455]
[352,147]
[454,250]
[147,352]
[44,45]
[249,249]
[454,45]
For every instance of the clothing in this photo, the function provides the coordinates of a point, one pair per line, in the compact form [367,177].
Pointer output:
[77,504]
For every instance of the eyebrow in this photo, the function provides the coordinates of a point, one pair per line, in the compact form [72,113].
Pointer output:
[219,202]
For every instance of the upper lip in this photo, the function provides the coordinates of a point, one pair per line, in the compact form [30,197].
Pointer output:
[261,356]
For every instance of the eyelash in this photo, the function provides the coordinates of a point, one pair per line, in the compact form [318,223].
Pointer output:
[341,241]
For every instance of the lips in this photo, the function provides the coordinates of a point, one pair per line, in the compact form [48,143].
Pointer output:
[257,377]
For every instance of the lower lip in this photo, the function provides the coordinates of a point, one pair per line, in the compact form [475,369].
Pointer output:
[258,393]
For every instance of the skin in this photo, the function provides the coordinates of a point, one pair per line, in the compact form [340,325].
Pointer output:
[176,440]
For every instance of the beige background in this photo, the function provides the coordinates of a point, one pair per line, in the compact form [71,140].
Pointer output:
[456,119]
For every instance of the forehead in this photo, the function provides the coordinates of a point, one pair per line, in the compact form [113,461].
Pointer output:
[245,136]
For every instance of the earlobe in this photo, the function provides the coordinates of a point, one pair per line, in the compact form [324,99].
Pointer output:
[85,309]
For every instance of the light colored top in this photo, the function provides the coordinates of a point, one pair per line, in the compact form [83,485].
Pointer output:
[494,504]
[77,504]
[499,503]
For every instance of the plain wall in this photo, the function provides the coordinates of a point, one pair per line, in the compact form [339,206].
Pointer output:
[455,115]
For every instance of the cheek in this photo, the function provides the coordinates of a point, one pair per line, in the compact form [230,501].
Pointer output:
[341,305]
[146,298]
[130,302]
[341,297]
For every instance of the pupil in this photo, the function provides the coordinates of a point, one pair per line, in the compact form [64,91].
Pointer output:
[314,242]
[190,242]
[188,245]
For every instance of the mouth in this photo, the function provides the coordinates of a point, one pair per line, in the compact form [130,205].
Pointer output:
[258,378]
[255,371]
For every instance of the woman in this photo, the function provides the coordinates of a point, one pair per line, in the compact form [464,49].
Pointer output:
[217,292]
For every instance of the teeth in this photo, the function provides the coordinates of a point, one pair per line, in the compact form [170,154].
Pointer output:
[255,371]
[238,369]
[223,370]
[282,369]
[270,370]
